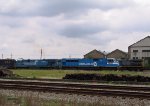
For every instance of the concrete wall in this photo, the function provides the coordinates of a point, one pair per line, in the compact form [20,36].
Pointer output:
[140,53]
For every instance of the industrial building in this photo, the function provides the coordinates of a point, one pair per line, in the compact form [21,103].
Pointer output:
[140,49]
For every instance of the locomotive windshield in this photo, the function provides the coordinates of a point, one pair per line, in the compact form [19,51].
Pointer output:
[110,61]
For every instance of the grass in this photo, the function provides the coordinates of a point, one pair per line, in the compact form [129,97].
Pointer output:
[59,74]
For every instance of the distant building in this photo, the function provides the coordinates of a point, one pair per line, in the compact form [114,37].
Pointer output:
[117,54]
[94,54]
[140,49]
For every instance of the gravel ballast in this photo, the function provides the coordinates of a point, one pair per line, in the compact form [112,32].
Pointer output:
[84,99]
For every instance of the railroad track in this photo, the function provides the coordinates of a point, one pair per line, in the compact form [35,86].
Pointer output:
[77,88]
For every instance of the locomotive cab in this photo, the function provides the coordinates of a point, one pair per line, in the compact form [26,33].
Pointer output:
[112,62]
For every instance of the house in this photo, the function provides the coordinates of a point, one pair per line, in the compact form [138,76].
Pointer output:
[94,54]
[117,54]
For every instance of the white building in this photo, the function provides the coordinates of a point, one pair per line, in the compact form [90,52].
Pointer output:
[140,49]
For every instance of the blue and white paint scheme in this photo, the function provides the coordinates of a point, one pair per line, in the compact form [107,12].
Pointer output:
[101,62]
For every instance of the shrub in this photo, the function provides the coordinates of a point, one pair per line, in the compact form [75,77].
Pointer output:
[107,77]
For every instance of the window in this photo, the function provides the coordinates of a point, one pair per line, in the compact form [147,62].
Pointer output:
[110,60]
[72,60]
[95,59]
[135,50]
[145,50]
[135,58]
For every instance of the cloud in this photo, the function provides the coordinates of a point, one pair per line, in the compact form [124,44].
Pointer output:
[80,30]
[15,22]
[70,27]
[56,7]
[133,19]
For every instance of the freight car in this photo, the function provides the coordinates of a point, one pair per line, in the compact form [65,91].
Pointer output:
[7,63]
[133,64]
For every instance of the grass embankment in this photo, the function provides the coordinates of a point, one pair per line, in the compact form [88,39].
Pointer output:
[59,74]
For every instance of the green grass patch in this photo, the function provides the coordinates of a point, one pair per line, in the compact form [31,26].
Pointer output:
[59,74]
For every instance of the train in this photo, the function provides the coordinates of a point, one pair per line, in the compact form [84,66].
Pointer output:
[74,63]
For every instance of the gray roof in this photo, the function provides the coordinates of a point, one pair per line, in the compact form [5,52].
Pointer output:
[143,42]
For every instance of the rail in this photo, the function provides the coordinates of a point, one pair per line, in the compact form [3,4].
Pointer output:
[77,88]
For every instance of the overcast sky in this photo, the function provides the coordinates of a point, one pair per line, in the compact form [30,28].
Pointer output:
[64,28]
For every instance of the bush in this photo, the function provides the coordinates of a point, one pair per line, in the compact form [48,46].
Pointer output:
[107,77]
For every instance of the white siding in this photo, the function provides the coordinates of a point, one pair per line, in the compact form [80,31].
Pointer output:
[136,50]
[140,54]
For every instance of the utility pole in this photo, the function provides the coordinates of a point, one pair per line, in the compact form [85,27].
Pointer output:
[41,54]
[11,56]
[2,56]
[70,56]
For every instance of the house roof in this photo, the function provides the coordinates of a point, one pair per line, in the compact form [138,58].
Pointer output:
[117,50]
[143,42]
[96,51]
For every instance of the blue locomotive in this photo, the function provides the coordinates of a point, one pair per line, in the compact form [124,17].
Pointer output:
[31,63]
[36,63]
[89,63]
